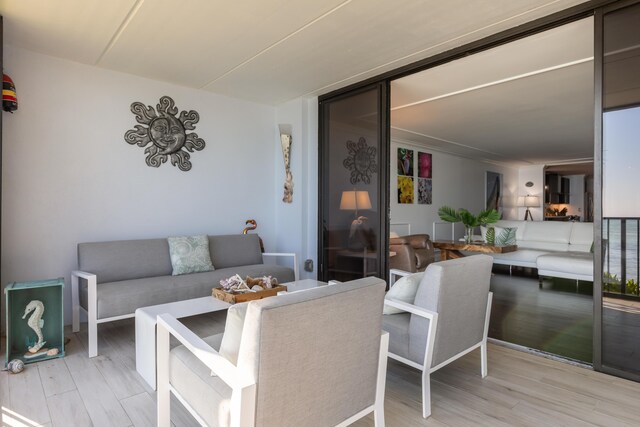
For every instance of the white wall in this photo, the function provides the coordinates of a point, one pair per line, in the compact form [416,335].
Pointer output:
[457,182]
[296,223]
[576,196]
[68,175]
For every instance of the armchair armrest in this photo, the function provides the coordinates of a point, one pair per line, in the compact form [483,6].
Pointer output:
[242,384]
[394,273]
[432,316]
[413,309]
[286,254]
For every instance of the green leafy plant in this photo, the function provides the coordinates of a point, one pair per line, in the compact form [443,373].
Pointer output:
[488,216]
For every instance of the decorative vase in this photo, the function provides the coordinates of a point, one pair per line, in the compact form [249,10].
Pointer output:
[468,237]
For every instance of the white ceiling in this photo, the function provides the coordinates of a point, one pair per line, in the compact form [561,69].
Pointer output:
[268,51]
[526,102]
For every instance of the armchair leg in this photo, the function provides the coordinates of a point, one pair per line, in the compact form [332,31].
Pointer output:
[483,359]
[378,412]
[75,304]
[163,394]
[426,394]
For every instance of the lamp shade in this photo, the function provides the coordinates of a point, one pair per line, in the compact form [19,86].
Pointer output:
[355,200]
[531,201]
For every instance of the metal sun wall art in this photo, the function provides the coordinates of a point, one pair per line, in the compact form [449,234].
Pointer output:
[361,161]
[166,132]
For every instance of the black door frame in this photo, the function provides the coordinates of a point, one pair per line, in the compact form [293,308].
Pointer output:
[594,8]
[382,246]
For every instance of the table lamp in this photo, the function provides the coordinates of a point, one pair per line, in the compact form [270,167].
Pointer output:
[353,201]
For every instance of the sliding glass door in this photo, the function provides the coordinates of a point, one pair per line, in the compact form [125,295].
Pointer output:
[353,191]
[620,243]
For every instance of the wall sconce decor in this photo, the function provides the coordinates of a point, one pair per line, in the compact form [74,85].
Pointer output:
[166,132]
[285,142]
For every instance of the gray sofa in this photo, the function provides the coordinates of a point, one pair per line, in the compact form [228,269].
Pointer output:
[115,278]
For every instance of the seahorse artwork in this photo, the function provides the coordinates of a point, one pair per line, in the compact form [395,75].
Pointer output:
[285,141]
[36,323]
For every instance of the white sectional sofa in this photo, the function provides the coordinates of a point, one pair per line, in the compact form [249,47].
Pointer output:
[556,249]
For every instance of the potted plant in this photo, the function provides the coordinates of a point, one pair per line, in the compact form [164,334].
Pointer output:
[470,221]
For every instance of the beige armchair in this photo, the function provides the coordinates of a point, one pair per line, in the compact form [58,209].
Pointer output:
[412,253]
[304,359]
[449,318]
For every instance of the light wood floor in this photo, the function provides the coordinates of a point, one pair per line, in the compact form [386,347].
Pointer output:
[521,390]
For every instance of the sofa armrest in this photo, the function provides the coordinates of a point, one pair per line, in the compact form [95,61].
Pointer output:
[404,258]
[286,254]
[92,283]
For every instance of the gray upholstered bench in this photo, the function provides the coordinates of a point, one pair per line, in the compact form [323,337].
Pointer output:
[115,278]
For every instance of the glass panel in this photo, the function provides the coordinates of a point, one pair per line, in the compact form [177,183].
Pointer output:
[621,198]
[351,177]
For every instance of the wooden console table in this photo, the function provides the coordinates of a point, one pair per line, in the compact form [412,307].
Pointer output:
[450,249]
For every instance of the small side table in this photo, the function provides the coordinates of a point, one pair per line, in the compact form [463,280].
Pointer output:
[19,333]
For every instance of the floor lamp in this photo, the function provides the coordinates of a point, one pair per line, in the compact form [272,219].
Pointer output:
[530,202]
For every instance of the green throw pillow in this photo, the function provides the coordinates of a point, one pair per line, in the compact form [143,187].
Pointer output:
[505,236]
[499,236]
[190,254]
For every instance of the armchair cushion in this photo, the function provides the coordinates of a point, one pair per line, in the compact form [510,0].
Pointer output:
[403,290]
[398,328]
[230,344]
[208,395]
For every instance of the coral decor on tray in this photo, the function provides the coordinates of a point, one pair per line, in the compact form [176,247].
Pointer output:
[237,284]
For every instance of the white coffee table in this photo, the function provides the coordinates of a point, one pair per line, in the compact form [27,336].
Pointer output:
[146,319]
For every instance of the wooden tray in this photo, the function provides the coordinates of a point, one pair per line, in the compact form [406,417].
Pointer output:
[246,296]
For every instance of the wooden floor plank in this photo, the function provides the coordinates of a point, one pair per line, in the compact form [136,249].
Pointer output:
[27,396]
[55,377]
[141,409]
[99,400]
[121,379]
[521,389]
[67,409]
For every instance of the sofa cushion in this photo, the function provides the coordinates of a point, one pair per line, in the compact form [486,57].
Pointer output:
[124,297]
[235,249]
[521,257]
[189,254]
[125,259]
[581,236]
[548,232]
[403,290]
[578,263]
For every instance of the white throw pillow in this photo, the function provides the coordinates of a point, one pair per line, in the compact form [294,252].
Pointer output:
[230,345]
[403,290]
